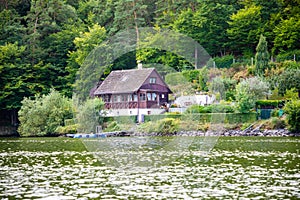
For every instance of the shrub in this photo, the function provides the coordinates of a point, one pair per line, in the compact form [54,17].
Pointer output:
[245,126]
[68,129]
[215,108]
[288,56]
[224,62]
[191,75]
[269,103]
[274,123]
[147,127]
[88,115]
[44,114]
[292,109]
[290,65]
[167,126]
[248,92]
[112,126]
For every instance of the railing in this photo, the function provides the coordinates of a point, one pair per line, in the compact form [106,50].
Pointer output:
[121,105]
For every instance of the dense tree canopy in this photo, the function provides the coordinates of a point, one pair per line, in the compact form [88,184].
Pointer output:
[43,43]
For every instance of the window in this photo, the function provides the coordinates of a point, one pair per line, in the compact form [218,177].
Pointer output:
[162,96]
[142,97]
[149,96]
[118,98]
[152,80]
[135,97]
[153,96]
[129,97]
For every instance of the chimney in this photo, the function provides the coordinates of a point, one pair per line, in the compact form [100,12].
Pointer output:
[140,65]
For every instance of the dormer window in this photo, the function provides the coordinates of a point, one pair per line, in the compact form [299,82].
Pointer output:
[152,80]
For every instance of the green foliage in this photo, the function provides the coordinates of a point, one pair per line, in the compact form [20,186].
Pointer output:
[290,65]
[179,84]
[292,94]
[244,28]
[289,79]
[248,92]
[224,61]
[86,42]
[88,115]
[269,103]
[287,34]
[288,55]
[217,118]
[167,126]
[215,108]
[205,27]
[68,129]
[44,114]
[191,75]
[217,87]
[292,109]
[175,78]
[261,56]
[245,126]
[274,123]
[112,126]
[39,50]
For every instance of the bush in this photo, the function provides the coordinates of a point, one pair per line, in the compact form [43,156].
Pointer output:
[112,126]
[68,129]
[224,62]
[290,65]
[191,75]
[274,123]
[245,126]
[292,109]
[44,114]
[269,103]
[88,115]
[248,92]
[168,126]
[215,108]
[288,56]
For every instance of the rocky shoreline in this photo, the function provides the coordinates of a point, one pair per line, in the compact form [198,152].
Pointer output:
[230,133]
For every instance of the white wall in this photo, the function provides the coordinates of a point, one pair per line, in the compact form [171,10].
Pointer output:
[186,101]
[126,112]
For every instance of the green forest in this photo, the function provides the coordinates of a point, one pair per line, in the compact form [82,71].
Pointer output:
[43,44]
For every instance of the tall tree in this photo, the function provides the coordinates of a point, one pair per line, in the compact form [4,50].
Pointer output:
[244,29]
[287,35]
[11,28]
[206,25]
[261,56]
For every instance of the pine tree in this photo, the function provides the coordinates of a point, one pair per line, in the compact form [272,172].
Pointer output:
[261,56]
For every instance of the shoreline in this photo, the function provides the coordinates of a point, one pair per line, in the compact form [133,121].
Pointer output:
[223,133]
[226,133]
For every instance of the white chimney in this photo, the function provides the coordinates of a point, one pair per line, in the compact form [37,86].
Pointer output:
[140,65]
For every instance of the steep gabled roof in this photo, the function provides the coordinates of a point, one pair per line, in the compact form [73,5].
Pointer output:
[124,81]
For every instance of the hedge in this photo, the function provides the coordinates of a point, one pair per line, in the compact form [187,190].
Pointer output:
[230,118]
[122,119]
[269,103]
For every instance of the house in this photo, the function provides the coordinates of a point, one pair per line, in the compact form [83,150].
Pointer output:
[183,102]
[198,99]
[134,92]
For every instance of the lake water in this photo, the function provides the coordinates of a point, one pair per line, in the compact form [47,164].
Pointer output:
[150,168]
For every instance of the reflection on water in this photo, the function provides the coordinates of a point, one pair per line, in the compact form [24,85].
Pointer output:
[124,168]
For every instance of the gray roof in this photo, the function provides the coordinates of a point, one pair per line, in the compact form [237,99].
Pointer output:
[124,81]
